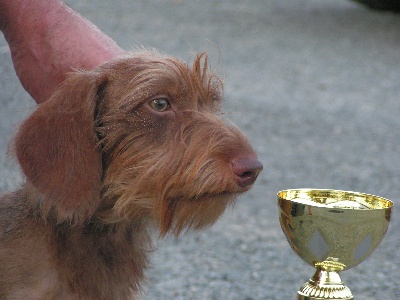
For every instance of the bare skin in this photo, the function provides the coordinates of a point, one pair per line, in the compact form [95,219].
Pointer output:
[48,39]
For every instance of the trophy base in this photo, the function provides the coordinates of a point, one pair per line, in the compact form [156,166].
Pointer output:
[325,284]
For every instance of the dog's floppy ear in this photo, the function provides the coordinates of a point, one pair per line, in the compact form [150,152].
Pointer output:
[57,149]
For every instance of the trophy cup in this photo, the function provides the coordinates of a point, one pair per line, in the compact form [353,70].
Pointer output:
[332,231]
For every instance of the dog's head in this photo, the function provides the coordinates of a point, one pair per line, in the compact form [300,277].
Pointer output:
[138,137]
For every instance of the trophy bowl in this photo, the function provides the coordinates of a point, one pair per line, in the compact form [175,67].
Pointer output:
[332,231]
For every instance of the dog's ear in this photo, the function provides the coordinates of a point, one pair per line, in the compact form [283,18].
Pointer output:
[57,149]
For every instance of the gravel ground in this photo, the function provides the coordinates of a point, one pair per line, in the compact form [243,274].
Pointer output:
[315,85]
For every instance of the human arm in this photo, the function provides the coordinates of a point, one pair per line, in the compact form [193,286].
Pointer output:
[48,39]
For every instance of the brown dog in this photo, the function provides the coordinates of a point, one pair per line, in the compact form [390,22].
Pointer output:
[135,142]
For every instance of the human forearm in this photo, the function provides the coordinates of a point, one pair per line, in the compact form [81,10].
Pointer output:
[47,40]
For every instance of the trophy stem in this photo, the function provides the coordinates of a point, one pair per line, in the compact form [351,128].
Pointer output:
[325,284]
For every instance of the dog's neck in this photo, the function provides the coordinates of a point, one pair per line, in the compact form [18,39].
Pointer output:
[107,253]
[91,254]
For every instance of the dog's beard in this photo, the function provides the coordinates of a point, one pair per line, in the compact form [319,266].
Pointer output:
[180,215]
[173,207]
[186,183]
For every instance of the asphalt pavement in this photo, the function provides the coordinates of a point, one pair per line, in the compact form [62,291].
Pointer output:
[316,87]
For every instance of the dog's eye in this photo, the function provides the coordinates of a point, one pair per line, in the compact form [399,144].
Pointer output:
[160,104]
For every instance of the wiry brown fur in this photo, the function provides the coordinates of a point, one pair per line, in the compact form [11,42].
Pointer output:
[102,164]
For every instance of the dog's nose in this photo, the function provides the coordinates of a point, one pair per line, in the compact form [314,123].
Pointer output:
[246,170]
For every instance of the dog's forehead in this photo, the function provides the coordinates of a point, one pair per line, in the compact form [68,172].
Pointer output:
[146,66]
[149,74]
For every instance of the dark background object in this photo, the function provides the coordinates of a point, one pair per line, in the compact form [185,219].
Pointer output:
[393,5]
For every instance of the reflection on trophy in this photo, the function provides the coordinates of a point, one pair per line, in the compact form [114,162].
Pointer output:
[333,231]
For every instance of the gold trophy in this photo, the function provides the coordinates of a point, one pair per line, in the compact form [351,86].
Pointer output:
[332,231]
